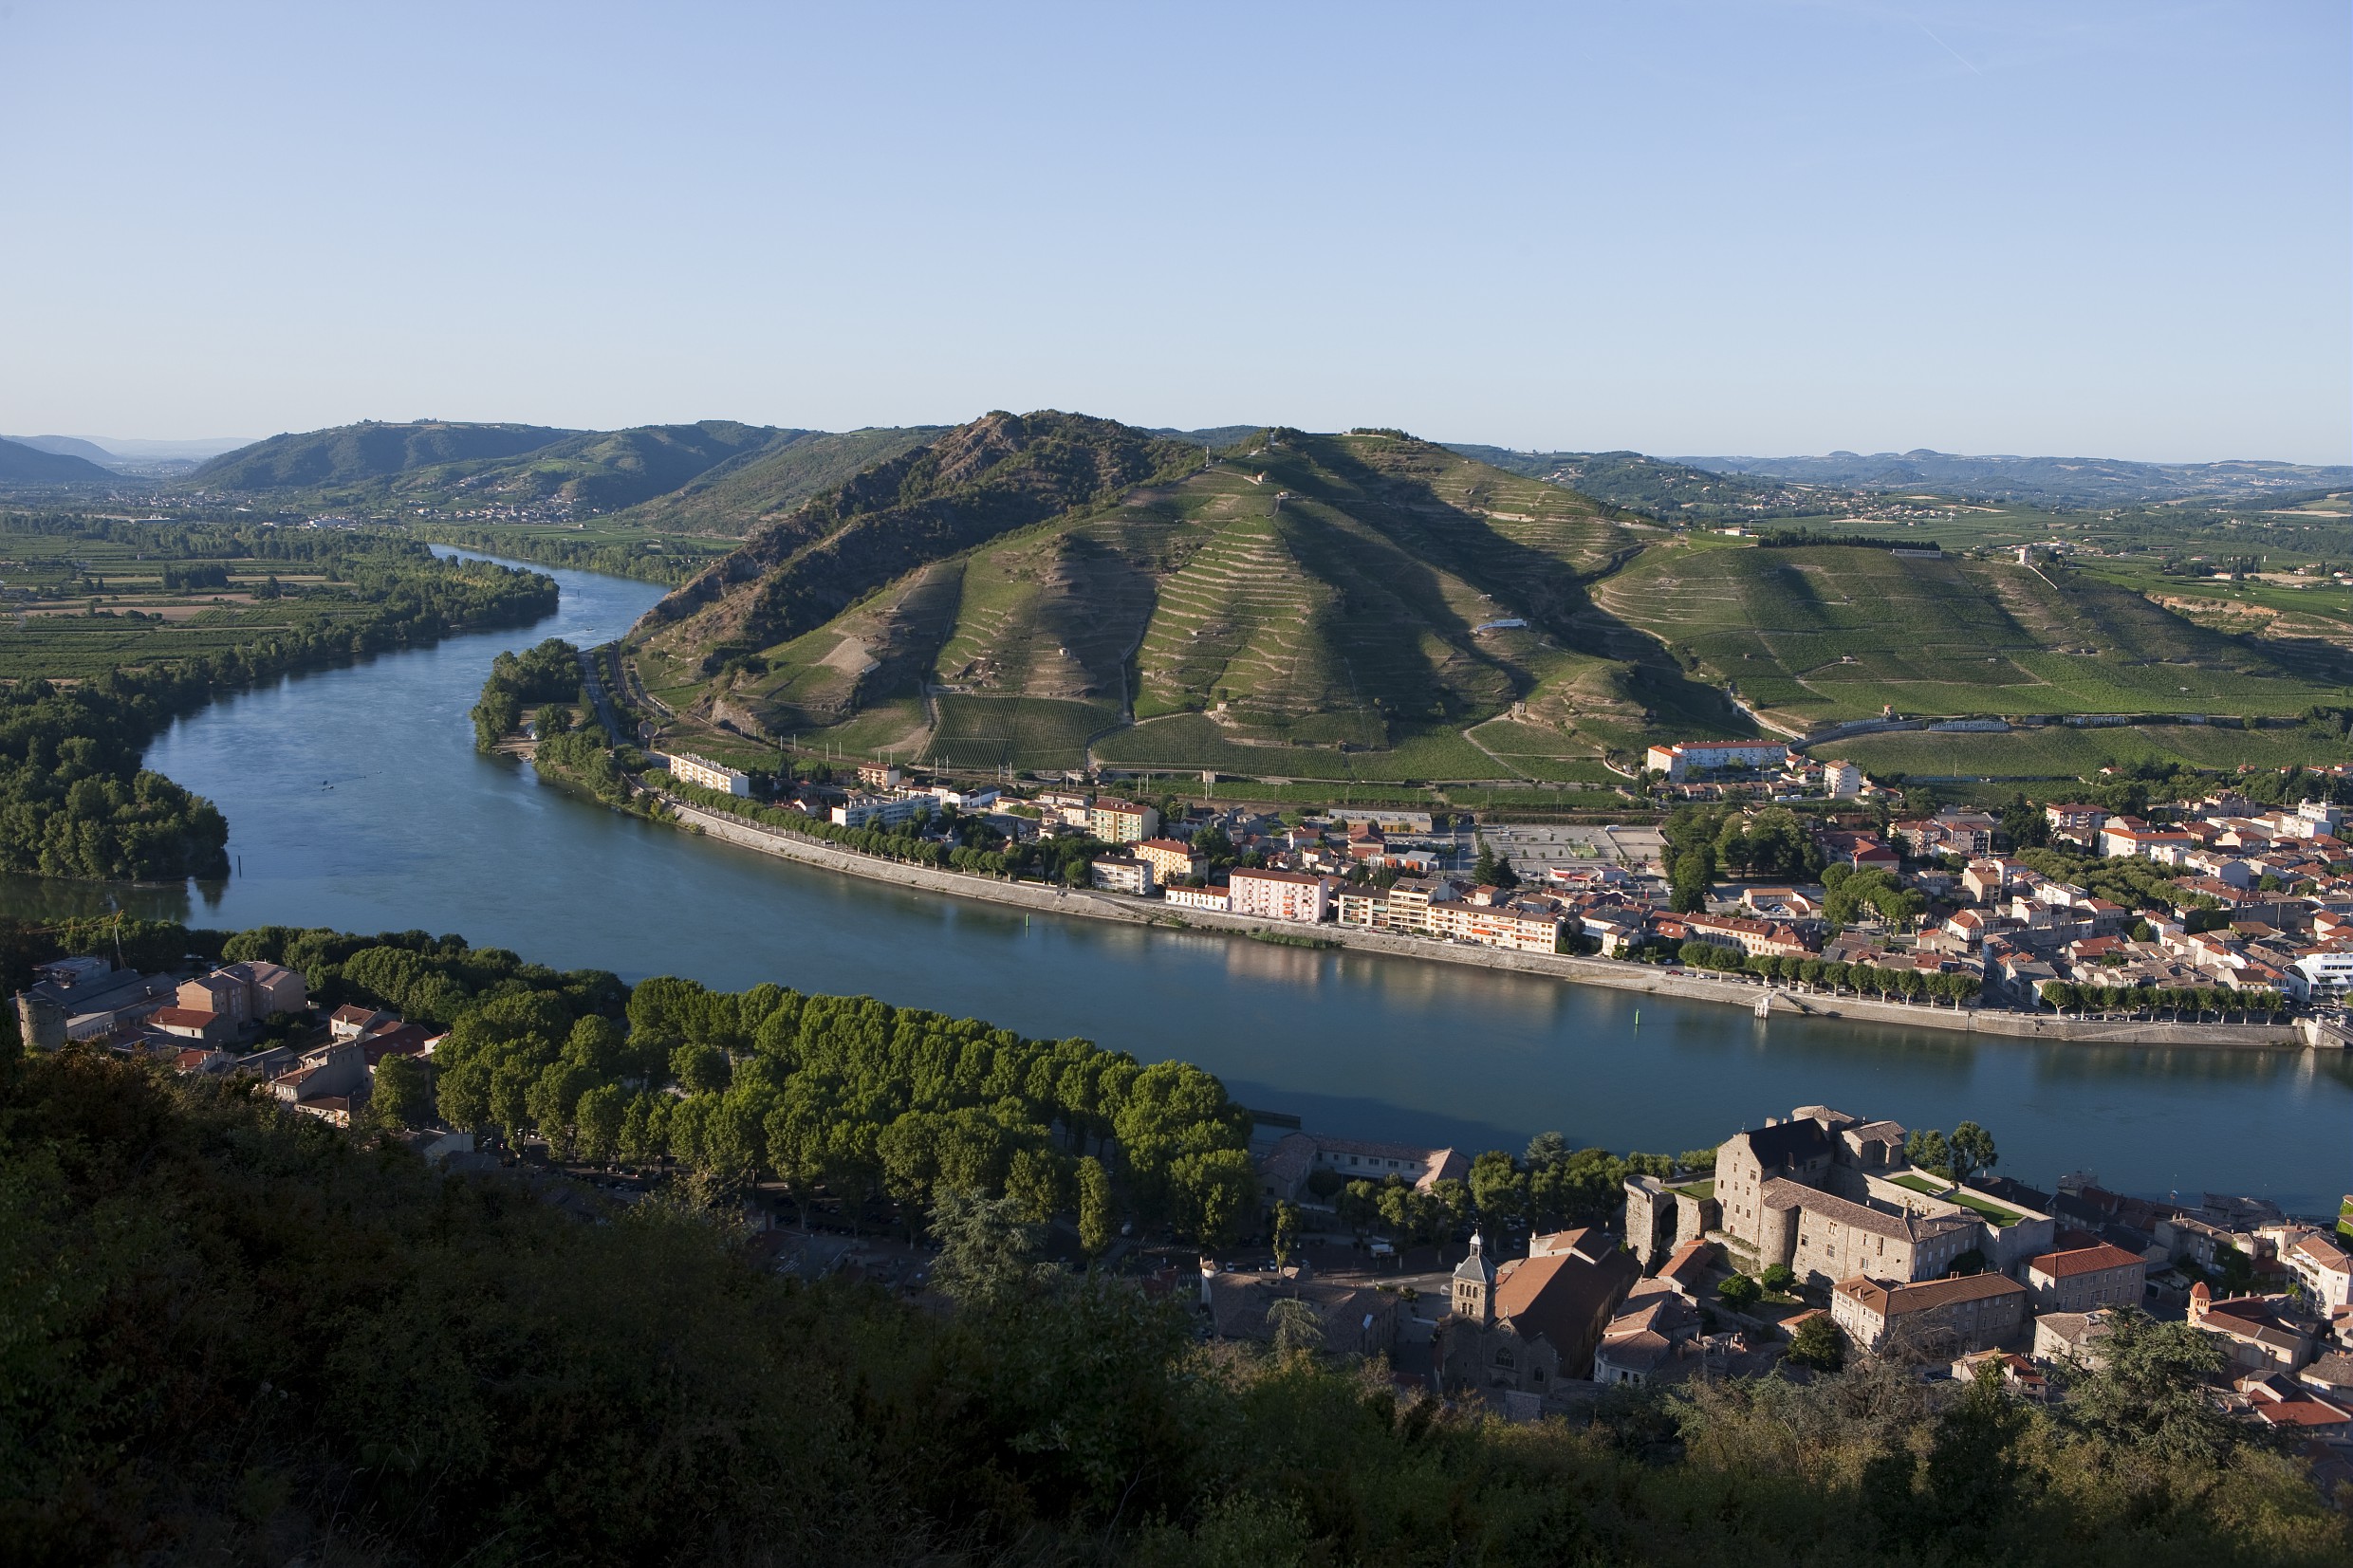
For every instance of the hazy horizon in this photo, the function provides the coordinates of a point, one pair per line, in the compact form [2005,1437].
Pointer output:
[1795,229]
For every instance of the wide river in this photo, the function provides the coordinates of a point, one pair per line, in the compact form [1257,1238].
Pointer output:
[356,800]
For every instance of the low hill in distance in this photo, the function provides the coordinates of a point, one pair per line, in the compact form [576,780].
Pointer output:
[2054,481]
[347,455]
[66,446]
[23,464]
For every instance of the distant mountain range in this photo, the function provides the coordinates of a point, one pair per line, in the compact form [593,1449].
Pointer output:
[2059,481]
[128,455]
[24,464]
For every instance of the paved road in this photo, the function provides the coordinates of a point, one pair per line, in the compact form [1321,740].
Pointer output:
[594,687]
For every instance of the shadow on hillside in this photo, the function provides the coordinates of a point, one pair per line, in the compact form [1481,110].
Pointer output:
[1550,592]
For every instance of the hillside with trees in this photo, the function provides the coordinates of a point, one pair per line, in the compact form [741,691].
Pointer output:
[371,450]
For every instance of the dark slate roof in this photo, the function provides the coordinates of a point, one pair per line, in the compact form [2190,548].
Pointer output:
[1790,1143]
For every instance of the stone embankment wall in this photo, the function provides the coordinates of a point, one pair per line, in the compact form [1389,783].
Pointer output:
[1690,986]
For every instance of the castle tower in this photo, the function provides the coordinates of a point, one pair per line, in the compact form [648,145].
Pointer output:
[1474,1286]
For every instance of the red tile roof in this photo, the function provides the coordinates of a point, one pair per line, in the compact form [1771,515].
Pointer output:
[2085,1259]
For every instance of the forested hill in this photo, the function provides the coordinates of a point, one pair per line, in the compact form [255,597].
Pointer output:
[370,450]
[977,482]
[23,464]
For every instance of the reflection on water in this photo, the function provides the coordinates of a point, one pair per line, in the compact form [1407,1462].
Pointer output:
[356,800]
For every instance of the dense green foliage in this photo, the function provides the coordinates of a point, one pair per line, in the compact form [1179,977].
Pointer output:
[1792,539]
[547,672]
[833,1095]
[239,1335]
[74,800]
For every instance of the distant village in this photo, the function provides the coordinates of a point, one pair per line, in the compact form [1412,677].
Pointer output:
[2252,920]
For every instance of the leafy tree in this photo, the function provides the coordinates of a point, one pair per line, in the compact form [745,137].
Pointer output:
[1216,1191]
[1035,1179]
[2149,1395]
[1297,1329]
[1499,1187]
[1739,1293]
[1285,1236]
[1817,1343]
[600,1116]
[402,1096]
[989,1249]
[1095,1212]
[1778,1277]
[1972,1150]
[702,1069]
[1927,1149]
[1970,1480]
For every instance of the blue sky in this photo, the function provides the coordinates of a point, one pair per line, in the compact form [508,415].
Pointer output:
[1766,229]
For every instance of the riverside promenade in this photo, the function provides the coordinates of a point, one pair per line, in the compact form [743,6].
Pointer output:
[1732,991]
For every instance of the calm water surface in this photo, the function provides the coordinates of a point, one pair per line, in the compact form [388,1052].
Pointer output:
[356,800]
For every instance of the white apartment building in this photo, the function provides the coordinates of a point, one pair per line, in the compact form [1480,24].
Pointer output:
[1281,896]
[689,768]
[1506,926]
[1685,758]
[877,811]
[1196,898]
[1122,874]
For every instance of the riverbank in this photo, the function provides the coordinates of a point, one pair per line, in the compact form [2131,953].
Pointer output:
[1732,991]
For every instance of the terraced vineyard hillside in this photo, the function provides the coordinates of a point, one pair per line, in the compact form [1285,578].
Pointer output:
[1819,634]
[1318,606]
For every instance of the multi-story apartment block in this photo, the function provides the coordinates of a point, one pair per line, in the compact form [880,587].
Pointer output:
[1122,874]
[1172,859]
[689,768]
[1121,822]
[1281,895]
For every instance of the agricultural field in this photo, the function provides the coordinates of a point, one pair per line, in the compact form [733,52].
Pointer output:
[2056,751]
[1002,732]
[1819,634]
[73,607]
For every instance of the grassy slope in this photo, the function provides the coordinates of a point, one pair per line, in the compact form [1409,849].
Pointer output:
[1826,634]
[2063,752]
